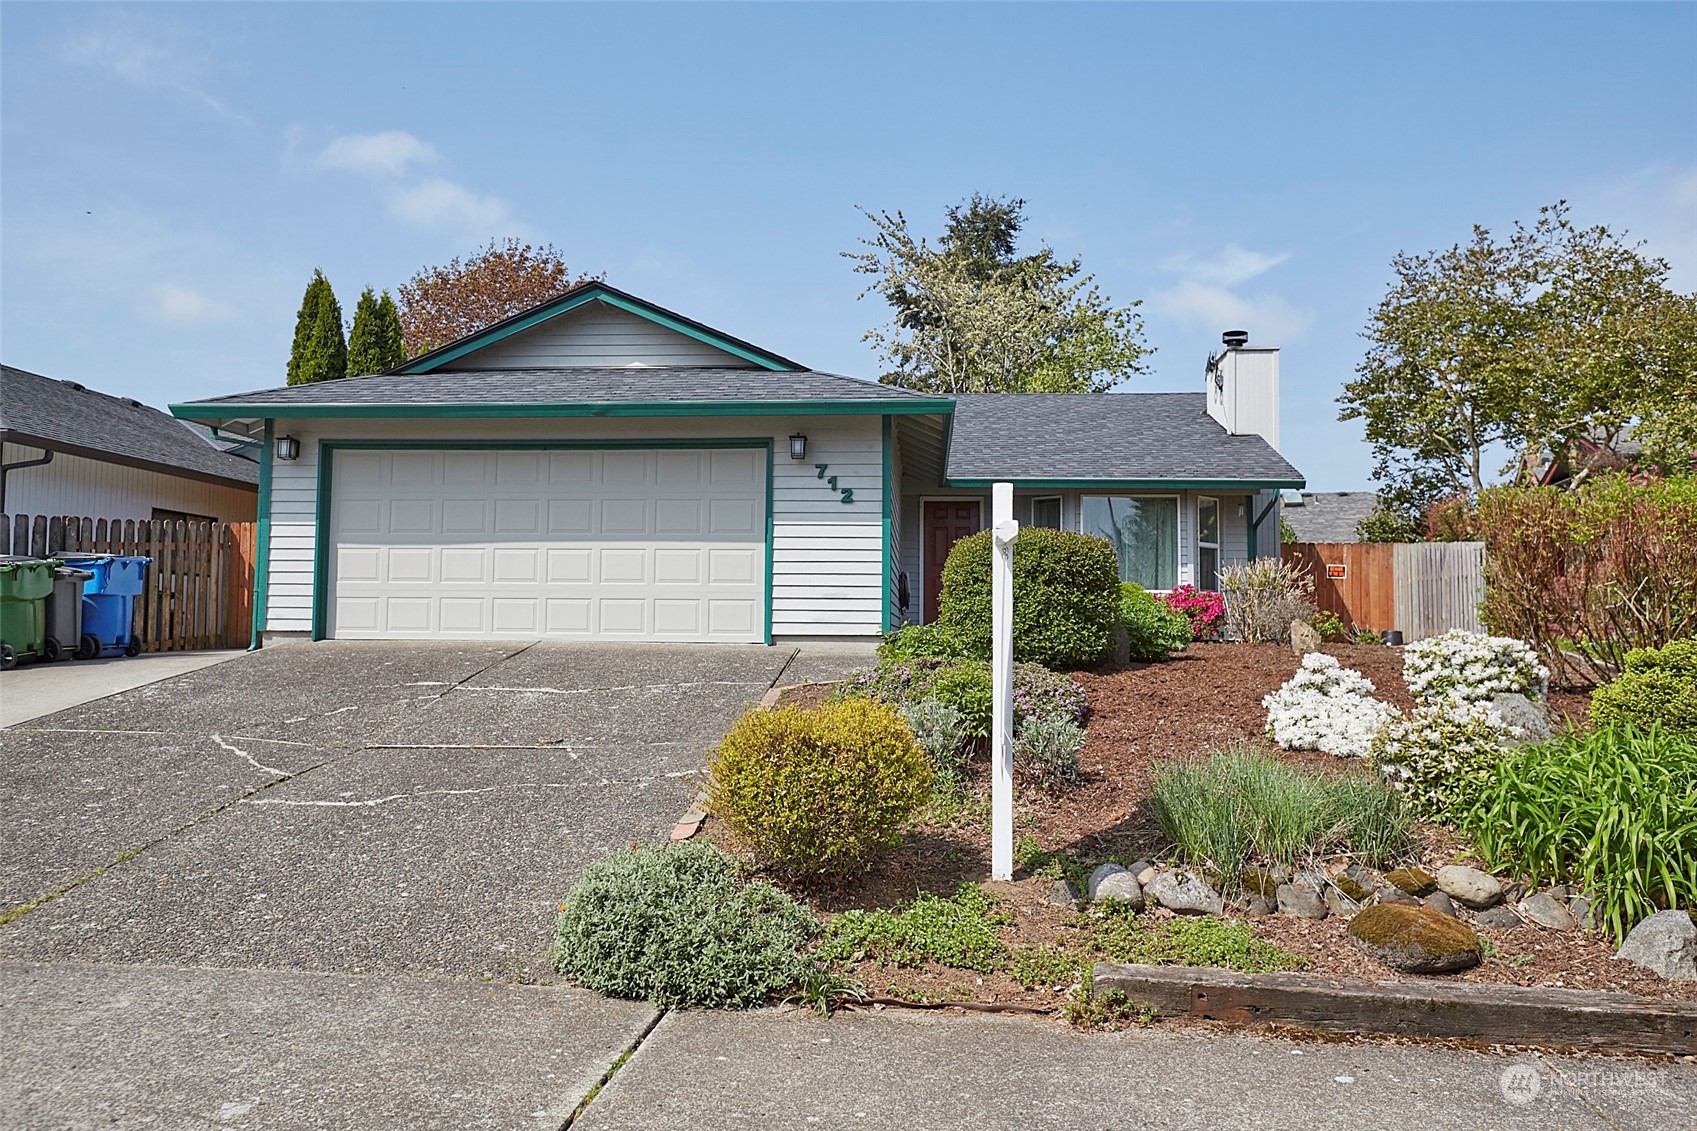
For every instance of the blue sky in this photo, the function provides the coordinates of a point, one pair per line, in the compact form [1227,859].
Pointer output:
[173,173]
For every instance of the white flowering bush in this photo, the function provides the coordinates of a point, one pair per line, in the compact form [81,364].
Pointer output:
[1326,706]
[1470,667]
[1444,755]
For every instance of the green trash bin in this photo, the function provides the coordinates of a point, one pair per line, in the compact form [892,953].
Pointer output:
[24,587]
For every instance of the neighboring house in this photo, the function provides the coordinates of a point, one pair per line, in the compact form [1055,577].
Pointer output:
[68,450]
[601,468]
[1328,516]
[1583,456]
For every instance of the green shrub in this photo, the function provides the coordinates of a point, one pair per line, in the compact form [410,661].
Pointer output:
[1048,748]
[814,793]
[919,642]
[678,927]
[1659,685]
[1066,590]
[1329,625]
[1240,804]
[941,732]
[1614,812]
[1153,629]
[966,686]
[958,930]
[1441,757]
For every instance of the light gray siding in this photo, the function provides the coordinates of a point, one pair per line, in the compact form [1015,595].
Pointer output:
[88,488]
[596,334]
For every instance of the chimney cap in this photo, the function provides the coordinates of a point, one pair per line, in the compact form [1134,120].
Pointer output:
[1235,339]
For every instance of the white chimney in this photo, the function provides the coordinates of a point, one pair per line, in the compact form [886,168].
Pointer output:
[1243,388]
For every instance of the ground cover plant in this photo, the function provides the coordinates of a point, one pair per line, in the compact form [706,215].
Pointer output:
[1066,589]
[679,926]
[1153,629]
[1326,706]
[958,930]
[1613,812]
[1264,597]
[814,793]
[1658,686]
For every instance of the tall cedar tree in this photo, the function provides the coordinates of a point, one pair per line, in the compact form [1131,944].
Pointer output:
[972,315]
[443,304]
[320,353]
[376,342]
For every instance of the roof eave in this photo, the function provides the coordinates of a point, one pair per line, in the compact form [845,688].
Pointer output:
[1111,484]
[904,406]
[24,439]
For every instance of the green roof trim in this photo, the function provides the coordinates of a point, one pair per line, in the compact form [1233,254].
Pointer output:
[1135,484]
[232,410]
[611,296]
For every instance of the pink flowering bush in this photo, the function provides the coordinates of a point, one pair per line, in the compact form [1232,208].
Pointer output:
[1205,610]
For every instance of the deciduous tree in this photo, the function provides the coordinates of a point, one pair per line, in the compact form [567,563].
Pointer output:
[443,304]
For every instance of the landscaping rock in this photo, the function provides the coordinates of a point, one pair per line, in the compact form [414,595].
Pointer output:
[1580,908]
[1440,903]
[1340,904]
[1301,902]
[1413,881]
[1181,891]
[1257,907]
[1665,943]
[1499,918]
[1415,940]
[1062,893]
[1303,638]
[1513,893]
[1390,893]
[1264,882]
[1102,872]
[1469,886]
[1122,887]
[1528,715]
[1144,871]
[1546,910]
[1356,882]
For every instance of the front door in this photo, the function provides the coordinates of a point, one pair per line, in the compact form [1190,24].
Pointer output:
[946,522]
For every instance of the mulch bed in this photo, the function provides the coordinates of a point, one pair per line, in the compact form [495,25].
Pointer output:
[1142,716]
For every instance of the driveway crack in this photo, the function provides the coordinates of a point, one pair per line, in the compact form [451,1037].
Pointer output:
[607,1076]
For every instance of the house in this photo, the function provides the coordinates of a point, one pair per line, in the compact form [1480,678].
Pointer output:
[68,450]
[599,467]
[1328,516]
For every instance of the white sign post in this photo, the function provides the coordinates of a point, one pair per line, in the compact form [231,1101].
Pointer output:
[1004,531]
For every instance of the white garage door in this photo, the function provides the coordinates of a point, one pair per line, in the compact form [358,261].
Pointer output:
[653,544]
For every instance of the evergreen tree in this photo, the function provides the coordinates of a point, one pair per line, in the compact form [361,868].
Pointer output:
[320,353]
[375,345]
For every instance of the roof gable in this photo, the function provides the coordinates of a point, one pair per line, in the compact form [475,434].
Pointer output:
[546,333]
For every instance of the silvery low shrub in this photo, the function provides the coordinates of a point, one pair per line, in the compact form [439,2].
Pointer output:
[1470,667]
[942,734]
[1326,706]
[1048,746]
[1443,755]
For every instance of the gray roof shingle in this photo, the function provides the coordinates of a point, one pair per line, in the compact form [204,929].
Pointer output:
[1329,516]
[623,385]
[1119,436]
[43,412]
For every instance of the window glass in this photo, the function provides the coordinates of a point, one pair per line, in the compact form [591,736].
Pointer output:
[1208,521]
[1046,512]
[1144,534]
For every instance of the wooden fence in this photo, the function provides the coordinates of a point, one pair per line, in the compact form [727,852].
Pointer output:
[1421,589]
[198,588]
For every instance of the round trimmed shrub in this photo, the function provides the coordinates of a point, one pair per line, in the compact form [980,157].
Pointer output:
[1153,629]
[1659,685]
[1066,597]
[814,793]
[677,926]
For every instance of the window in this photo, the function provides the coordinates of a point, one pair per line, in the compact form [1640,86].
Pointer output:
[1046,511]
[1144,533]
[1208,543]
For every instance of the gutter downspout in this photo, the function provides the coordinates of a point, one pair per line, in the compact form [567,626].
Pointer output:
[18,466]
[1255,524]
[262,543]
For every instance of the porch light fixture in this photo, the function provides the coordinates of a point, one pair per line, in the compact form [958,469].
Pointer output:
[288,447]
[798,446]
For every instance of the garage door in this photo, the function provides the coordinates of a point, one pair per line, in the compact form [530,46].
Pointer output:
[661,544]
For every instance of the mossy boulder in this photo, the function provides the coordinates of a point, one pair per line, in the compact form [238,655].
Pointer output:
[1415,940]
[1413,880]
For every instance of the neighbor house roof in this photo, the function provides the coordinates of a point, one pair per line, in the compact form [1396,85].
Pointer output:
[1329,516]
[64,416]
[596,291]
[623,391]
[1108,439]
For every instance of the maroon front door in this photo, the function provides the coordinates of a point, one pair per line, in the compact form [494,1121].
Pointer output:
[945,522]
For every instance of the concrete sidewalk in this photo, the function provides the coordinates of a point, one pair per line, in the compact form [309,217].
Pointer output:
[31,691]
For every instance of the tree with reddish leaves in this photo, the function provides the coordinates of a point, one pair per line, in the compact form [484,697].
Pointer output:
[443,304]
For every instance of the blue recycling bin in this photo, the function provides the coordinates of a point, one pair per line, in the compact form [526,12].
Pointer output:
[108,605]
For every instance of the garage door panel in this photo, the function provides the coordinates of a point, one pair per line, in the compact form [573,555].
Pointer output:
[626,544]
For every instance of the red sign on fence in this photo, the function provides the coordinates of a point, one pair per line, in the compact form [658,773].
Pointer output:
[1336,572]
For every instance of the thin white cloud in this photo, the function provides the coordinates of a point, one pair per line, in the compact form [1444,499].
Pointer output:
[391,153]
[1228,267]
[438,203]
[1658,205]
[1269,319]
[147,53]
[180,305]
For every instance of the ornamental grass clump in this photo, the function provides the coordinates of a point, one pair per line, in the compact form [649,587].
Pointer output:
[679,927]
[814,794]
[1613,812]
[1470,667]
[1326,706]
[1263,597]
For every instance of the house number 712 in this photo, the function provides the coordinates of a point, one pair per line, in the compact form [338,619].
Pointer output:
[847,493]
